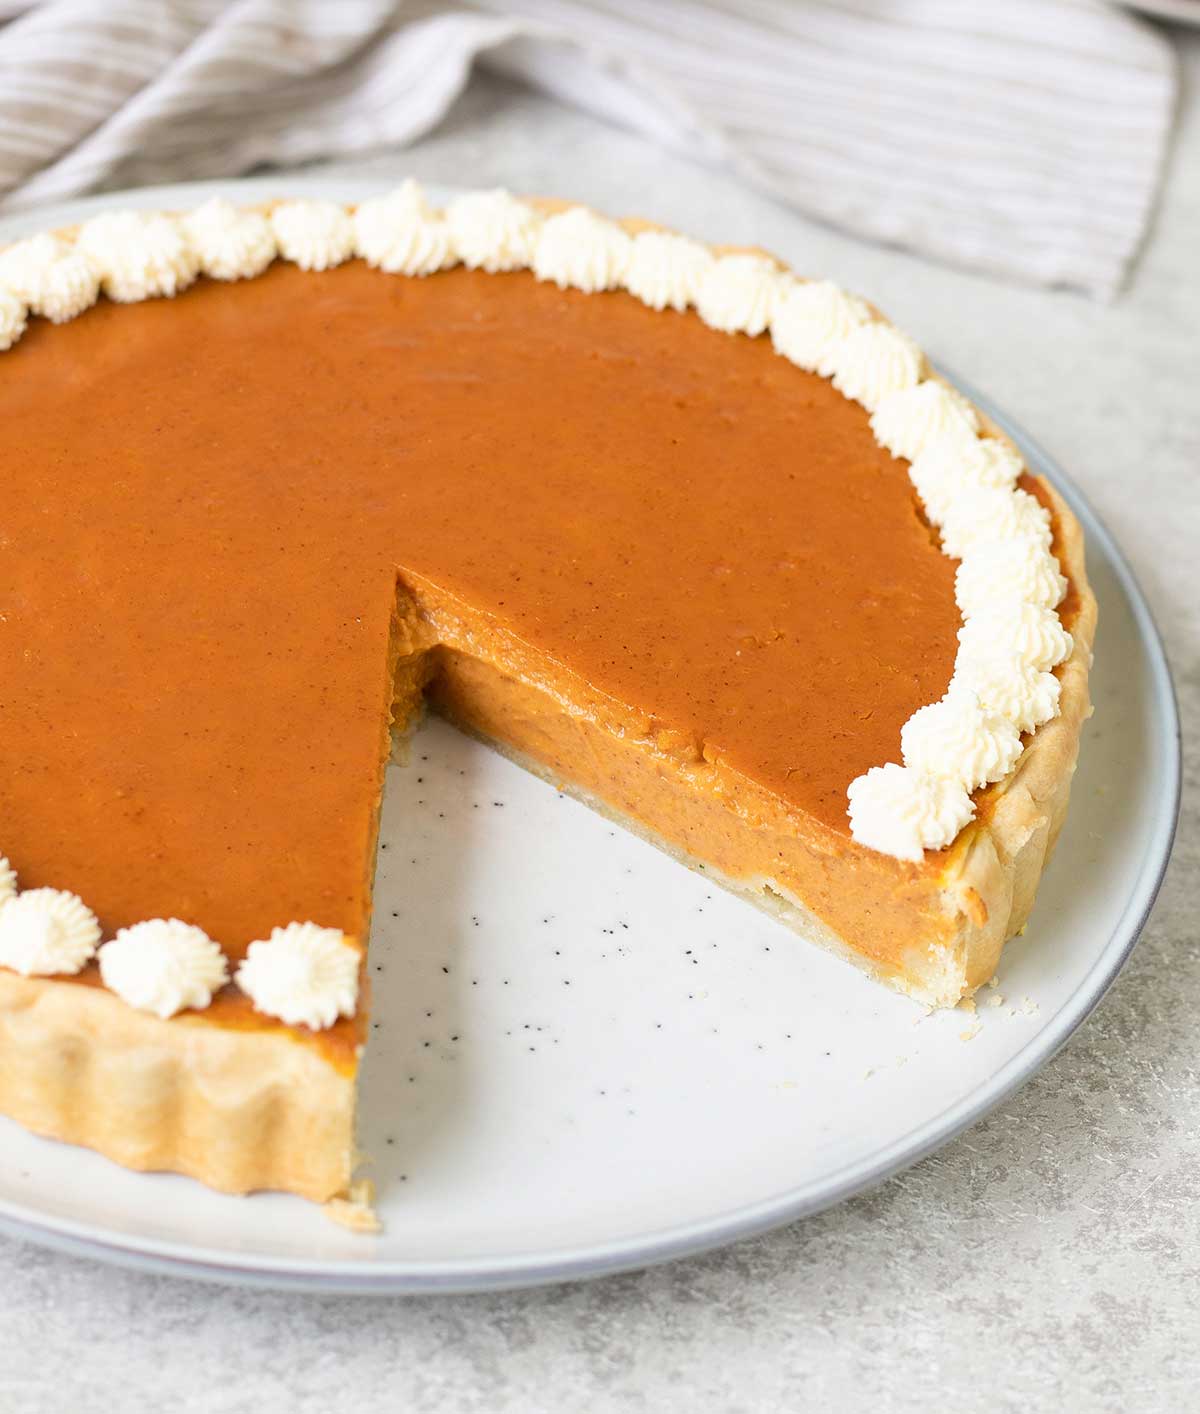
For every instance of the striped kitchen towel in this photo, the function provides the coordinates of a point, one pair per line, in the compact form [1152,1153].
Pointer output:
[1025,138]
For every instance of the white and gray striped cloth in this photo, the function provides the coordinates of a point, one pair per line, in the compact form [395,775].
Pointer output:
[1025,138]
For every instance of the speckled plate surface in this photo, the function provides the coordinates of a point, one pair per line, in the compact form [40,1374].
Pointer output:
[586,1058]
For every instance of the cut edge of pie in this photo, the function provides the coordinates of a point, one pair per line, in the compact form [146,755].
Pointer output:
[243,1109]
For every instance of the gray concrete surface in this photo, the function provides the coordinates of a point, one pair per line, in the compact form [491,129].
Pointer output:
[1049,1259]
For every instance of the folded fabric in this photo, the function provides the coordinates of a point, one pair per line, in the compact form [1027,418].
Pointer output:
[1025,139]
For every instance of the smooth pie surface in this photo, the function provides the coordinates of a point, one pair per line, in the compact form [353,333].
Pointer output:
[208,501]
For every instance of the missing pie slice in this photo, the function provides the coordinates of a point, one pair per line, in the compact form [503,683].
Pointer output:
[621,506]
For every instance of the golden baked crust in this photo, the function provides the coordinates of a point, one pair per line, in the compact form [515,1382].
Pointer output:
[994,866]
[253,1109]
[239,1110]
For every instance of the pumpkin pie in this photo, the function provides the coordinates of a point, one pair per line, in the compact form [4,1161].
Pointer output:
[703,543]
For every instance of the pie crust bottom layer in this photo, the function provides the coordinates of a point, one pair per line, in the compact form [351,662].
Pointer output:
[243,1109]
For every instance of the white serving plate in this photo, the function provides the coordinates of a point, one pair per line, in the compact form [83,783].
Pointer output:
[586,1058]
